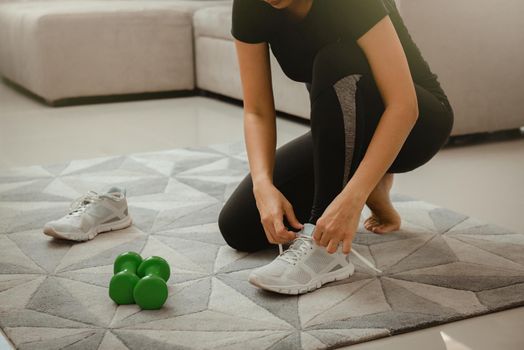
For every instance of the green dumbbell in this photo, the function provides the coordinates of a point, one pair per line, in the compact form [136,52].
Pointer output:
[151,291]
[123,282]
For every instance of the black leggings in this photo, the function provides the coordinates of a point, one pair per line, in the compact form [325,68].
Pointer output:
[312,169]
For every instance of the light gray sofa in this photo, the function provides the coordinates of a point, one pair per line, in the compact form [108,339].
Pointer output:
[66,49]
[63,49]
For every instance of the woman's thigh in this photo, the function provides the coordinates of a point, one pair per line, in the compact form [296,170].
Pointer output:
[429,134]
[239,220]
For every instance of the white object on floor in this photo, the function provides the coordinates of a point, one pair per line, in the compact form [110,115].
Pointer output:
[452,344]
[92,214]
[304,266]
[4,343]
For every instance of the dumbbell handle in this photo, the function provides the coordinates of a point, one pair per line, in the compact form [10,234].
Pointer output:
[129,266]
[154,266]
[153,270]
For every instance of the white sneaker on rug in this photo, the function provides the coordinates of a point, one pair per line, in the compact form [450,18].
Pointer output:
[304,266]
[92,214]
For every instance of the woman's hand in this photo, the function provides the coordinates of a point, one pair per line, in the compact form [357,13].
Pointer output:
[272,206]
[339,222]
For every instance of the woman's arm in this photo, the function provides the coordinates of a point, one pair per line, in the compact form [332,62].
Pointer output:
[390,69]
[260,137]
[259,109]
[389,66]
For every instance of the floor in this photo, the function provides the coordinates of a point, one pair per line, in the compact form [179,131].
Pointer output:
[478,178]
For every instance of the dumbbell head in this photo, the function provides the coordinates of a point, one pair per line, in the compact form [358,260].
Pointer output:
[126,260]
[151,291]
[125,279]
[154,265]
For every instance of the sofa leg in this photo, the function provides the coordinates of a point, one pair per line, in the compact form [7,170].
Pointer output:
[485,136]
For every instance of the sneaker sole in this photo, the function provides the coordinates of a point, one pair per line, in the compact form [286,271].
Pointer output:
[315,283]
[112,226]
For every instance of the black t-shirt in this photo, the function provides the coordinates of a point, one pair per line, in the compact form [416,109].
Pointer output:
[294,42]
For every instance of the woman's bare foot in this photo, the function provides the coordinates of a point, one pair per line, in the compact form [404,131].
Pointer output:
[384,217]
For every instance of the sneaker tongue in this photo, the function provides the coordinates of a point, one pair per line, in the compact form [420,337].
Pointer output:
[308,229]
[114,189]
[307,232]
[116,192]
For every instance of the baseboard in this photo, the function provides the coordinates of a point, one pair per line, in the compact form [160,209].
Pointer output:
[74,101]
[485,137]
[453,141]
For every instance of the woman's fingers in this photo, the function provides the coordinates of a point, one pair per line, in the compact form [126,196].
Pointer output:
[273,207]
[332,246]
[317,232]
[281,232]
[324,240]
[269,230]
[291,218]
[346,248]
[269,234]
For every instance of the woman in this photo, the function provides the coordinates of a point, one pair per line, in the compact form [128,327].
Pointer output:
[376,109]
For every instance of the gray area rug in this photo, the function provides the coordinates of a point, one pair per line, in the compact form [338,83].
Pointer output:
[441,266]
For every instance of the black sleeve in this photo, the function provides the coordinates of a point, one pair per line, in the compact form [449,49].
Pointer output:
[249,21]
[359,16]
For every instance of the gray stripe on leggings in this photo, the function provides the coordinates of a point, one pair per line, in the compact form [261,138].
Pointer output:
[345,89]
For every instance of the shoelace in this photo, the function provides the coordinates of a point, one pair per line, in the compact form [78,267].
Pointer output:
[364,260]
[80,204]
[295,250]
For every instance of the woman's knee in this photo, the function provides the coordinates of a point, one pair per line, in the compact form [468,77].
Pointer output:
[228,229]
[237,229]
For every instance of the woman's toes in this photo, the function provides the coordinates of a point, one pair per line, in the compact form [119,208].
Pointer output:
[380,229]
[377,228]
[385,228]
[366,224]
[375,225]
[370,223]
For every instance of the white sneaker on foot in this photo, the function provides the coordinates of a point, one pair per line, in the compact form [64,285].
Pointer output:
[304,266]
[92,214]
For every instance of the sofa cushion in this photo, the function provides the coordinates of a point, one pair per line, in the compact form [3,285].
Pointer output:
[213,22]
[63,49]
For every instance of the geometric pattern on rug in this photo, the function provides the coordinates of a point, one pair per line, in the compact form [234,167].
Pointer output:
[440,266]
